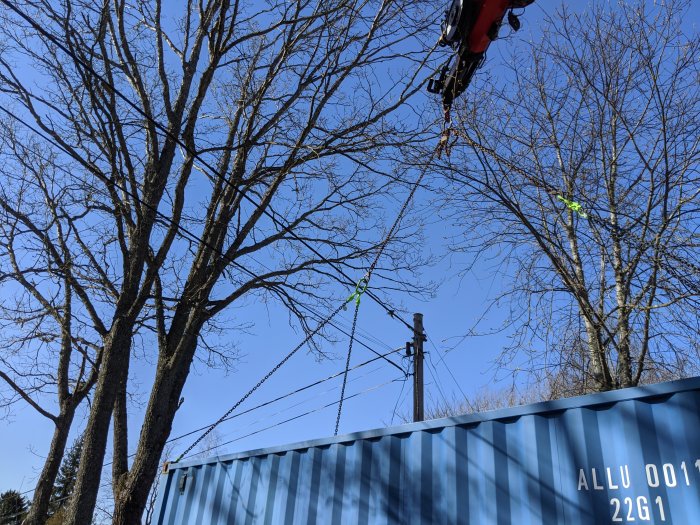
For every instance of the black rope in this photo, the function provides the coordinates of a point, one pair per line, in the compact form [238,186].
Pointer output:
[449,371]
[304,414]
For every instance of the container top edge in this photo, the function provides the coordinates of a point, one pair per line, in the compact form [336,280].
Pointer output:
[541,408]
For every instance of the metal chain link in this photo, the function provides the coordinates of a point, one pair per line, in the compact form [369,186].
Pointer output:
[365,284]
[347,368]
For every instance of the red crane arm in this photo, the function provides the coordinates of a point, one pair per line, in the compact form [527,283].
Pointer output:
[490,16]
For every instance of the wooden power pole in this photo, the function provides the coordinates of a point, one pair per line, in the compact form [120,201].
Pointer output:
[418,339]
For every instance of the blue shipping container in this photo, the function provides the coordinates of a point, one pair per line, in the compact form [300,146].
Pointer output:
[628,456]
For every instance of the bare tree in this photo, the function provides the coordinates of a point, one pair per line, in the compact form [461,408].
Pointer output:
[579,178]
[49,349]
[208,155]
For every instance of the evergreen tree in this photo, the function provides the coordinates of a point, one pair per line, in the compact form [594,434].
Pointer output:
[65,481]
[13,507]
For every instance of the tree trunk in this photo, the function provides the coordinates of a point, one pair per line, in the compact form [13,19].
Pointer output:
[112,373]
[120,459]
[596,352]
[42,494]
[172,371]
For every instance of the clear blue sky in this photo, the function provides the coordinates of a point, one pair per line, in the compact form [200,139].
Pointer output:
[209,393]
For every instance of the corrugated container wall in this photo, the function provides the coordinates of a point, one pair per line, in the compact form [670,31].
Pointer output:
[628,456]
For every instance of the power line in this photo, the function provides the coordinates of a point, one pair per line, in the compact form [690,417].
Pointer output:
[431,367]
[395,365]
[265,378]
[289,394]
[265,404]
[398,399]
[324,394]
[299,416]
[449,371]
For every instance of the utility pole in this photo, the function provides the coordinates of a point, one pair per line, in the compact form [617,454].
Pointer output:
[418,339]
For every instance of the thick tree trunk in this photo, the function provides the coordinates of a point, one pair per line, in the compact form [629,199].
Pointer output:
[117,350]
[112,373]
[170,379]
[42,494]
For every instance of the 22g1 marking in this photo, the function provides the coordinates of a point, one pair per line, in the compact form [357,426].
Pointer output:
[633,511]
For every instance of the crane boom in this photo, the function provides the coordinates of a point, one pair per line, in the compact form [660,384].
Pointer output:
[469,28]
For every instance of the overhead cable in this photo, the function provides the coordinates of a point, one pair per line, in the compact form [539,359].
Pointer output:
[299,416]
[287,395]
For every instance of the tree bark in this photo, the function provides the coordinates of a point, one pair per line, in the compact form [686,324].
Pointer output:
[42,494]
[120,460]
[112,374]
[172,371]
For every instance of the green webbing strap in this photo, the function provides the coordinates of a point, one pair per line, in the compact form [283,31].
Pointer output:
[573,206]
[360,288]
